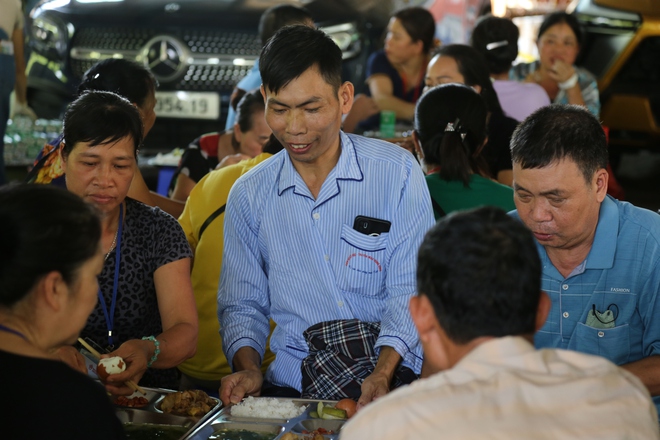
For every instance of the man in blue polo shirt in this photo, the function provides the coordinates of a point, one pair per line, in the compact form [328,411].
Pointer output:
[600,256]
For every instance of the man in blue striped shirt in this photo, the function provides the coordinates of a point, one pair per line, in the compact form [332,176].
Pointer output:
[600,256]
[291,251]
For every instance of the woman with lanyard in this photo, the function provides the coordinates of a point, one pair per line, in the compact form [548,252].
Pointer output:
[449,136]
[146,311]
[395,75]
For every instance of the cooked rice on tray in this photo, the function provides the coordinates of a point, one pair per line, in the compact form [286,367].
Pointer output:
[267,408]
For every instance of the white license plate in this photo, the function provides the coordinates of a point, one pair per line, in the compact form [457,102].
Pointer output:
[194,105]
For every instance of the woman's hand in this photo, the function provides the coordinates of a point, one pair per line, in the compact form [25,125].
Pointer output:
[561,71]
[136,353]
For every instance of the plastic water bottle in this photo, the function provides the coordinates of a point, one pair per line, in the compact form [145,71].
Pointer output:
[387,124]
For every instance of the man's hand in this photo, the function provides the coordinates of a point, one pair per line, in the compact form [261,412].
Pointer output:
[236,386]
[373,387]
[377,384]
[246,381]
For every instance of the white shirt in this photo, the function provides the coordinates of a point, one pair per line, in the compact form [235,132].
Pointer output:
[505,389]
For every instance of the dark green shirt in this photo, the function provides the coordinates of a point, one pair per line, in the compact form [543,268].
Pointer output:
[454,196]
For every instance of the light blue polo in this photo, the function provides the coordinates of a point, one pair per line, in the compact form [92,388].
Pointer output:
[621,273]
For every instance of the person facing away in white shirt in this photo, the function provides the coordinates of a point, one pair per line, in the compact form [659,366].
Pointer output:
[479,304]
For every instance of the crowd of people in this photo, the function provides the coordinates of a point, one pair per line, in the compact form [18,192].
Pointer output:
[484,285]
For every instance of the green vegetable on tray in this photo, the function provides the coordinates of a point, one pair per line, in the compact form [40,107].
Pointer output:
[328,413]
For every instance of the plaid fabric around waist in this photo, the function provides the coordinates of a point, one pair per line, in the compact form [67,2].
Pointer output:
[341,355]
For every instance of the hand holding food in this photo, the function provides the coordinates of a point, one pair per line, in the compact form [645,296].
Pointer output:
[240,384]
[135,355]
[135,365]
[108,366]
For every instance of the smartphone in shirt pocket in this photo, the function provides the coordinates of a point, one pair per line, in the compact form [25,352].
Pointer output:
[371,226]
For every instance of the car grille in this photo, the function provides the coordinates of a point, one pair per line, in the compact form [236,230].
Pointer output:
[203,74]
[112,38]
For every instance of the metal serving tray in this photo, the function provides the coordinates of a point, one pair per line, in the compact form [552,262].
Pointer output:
[212,428]
[152,414]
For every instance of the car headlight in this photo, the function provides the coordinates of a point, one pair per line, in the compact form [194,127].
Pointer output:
[50,37]
[346,36]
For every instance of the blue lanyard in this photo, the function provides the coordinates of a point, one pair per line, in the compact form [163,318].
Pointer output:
[4,328]
[110,318]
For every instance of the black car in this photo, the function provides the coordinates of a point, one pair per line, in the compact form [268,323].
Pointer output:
[197,49]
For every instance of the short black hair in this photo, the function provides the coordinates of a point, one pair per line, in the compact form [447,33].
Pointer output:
[419,24]
[250,103]
[561,17]
[295,49]
[481,271]
[556,132]
[126,78]
[496,38]
[101,118]
[456,152]
[472,65]
[278,16]
[31,246]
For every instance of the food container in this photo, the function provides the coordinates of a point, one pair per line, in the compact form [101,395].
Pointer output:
[140,424]
[223,425]
[151,416]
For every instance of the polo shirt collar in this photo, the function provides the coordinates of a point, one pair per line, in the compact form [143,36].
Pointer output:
[601,255]
[347,167]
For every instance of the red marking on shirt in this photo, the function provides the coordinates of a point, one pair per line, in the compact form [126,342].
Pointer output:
[369,257]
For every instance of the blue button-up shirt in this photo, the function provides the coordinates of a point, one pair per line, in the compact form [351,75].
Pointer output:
[621,273]
[298,259]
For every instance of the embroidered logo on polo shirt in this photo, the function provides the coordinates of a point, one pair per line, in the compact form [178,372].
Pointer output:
[619,289]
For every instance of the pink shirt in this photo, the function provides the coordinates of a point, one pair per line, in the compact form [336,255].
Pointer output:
[518,99]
